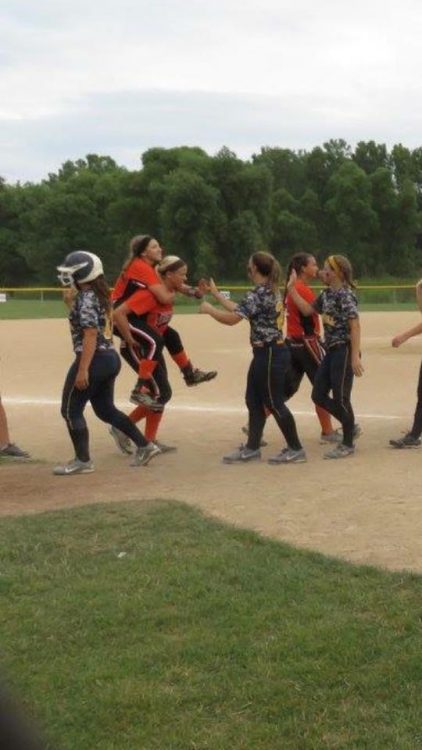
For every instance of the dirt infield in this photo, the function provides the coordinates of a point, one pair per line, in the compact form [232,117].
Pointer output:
[366,509]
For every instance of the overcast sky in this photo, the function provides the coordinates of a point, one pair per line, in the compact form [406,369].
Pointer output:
[116,78]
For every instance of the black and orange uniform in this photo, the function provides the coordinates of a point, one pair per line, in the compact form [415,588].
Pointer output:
[146,310]
[335,374]
[268,371]
[88,313]
[139,276]
[306,349]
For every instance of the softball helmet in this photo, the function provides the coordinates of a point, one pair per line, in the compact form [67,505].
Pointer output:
[79,267]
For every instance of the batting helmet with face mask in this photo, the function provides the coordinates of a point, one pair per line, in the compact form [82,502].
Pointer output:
[79,267]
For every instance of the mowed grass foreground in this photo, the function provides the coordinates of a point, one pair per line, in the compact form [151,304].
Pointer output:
[151,627]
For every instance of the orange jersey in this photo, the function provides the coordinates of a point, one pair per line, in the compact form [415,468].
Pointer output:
[299,325]
[138,275]
[144,305]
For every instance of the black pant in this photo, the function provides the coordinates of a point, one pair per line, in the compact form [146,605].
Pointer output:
[104,368]
[335,374]
[416,430]
[151,341]
[159,380]
[265,389]
[306,356]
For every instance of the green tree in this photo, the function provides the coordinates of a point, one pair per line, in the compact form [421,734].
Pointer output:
[188,214]
[351,220]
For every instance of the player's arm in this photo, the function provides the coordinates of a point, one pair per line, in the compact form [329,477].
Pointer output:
[162,294]
[191,291]
[305,307]
[400,338]
[69,294]
[121,321]
[354,327]
[226,317]
[419,294]
[89,345]
[228,304]
[151,281]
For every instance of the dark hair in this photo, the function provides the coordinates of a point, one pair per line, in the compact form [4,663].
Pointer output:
[296,263]
[269,267]
[102,290]
[343,268]
[137,246]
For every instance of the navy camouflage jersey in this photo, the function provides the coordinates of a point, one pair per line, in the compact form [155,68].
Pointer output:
[87,312]
[265,311]
[337,307]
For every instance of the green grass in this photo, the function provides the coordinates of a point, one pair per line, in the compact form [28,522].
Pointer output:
[36,310]
[24,309]
[203,637]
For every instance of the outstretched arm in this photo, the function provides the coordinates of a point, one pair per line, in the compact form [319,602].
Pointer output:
[211,288]
[400,338]
[162,294]
[226,317]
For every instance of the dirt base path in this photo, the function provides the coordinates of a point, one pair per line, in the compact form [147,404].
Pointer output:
[366,509]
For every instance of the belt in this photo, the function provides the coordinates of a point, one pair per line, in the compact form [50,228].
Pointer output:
[263,344]
[337,344]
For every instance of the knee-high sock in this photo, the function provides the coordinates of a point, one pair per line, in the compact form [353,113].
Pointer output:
[137,414]
[153,419]
[181,359]
[324,420]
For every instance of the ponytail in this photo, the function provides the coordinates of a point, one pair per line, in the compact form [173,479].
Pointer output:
[343,268]
[269,267]
[102,290]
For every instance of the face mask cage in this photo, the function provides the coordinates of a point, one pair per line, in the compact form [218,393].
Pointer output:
[66,275]
[66,279]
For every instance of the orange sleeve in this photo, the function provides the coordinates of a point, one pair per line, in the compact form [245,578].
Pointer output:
[141,302]
[305,291]
[141,271]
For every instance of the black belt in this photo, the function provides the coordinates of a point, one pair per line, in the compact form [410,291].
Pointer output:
[263,344]
[336,345]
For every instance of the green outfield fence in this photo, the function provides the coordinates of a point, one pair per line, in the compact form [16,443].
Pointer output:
[371,294]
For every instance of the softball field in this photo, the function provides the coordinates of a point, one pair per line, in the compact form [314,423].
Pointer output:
[365,508]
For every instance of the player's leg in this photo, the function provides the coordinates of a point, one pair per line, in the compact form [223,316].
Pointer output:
[412,439]
[192,375]
[277,370]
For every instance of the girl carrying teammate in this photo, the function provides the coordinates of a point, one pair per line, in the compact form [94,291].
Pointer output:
[263,308]
[142,307]
[338,306]
[412,439]
[303,336]
[139,272]
[91,376]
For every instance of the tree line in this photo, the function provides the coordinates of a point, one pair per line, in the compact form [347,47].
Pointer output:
[214,211]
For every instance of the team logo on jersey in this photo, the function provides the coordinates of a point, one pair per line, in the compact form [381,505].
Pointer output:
[280,310]
[328,320]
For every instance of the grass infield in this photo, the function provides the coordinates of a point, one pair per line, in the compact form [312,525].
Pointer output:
[151,627]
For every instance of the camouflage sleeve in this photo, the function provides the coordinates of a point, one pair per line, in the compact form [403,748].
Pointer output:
[89,310]
[349,304]
[246,306]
